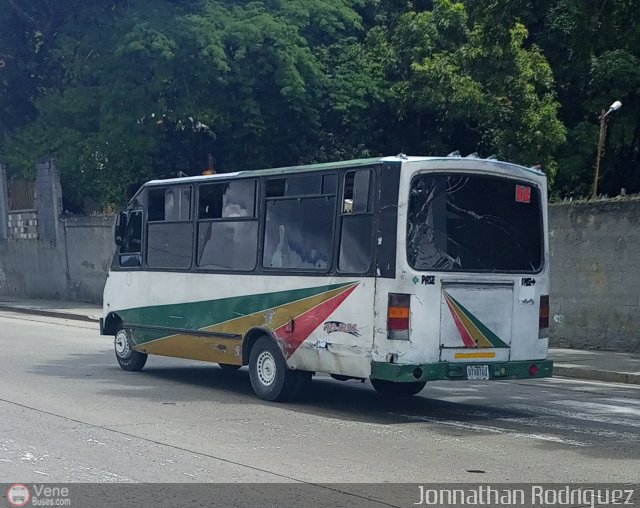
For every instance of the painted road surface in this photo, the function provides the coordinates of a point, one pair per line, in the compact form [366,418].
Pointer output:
[70,414]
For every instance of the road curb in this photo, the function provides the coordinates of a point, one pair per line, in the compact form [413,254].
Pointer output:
[595,374]
[49,313]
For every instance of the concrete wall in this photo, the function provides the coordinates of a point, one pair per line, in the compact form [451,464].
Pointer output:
[595,275]
[4,204]
[48,199]
[43,255]
[32,268]
[595,263]
[90,248]
[74,268]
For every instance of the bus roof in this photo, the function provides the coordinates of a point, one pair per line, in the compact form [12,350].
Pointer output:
[327,166]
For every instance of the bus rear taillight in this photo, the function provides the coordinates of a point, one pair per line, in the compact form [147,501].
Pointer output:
[398,313]
[543,326]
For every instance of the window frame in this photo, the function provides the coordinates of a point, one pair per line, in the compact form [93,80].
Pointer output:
[165,187]
[543,257]
[300,197]
[140,254]
[371,212]
[338,172]
[147,222]
[197,221]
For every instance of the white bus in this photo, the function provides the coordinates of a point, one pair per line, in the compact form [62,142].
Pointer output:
[399,270]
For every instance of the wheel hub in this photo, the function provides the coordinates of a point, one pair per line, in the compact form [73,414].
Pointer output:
[266,368]
[122,344]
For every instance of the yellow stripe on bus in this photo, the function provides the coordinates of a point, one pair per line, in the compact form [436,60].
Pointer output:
[475,355]
[205,348]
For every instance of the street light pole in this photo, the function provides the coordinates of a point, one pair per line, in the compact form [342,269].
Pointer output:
[603,133]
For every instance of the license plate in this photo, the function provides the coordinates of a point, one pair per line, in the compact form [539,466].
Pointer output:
[477,372]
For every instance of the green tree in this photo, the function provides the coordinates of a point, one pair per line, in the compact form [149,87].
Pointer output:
[148,90]
[593,49]
[460,83]
[126,90]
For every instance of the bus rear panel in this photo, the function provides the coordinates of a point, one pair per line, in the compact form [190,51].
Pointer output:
[470,300]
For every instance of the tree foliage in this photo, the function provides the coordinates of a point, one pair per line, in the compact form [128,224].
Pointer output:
[462,84]
[593,49]
[121,91]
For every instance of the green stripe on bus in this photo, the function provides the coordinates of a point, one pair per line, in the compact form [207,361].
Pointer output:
[198,315]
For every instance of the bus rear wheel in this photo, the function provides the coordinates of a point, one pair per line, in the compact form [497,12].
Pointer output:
[270,378]
[394,389]
[128,359]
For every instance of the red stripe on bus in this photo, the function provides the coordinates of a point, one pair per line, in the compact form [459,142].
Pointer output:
[306,323]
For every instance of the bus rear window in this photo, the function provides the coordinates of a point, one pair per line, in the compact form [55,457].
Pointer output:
[476,223]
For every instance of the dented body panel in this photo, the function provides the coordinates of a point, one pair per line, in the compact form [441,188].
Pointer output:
[321,325]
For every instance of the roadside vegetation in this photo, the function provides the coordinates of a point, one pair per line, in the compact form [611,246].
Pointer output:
[121,91]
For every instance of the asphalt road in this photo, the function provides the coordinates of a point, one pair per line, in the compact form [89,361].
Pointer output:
[68,413]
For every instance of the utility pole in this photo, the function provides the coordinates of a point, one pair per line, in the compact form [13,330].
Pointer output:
[604,115]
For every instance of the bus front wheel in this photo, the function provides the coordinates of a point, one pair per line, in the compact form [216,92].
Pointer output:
[270,378]
[128,359]
[394,389]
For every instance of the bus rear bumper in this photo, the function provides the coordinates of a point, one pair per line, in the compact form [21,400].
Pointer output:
[529,369]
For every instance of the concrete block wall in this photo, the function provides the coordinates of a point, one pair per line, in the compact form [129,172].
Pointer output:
[23,224]
[595,275]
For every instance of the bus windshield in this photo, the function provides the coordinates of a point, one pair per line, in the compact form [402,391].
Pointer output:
[467,222]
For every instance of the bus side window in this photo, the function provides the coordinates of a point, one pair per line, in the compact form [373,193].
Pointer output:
[357,223]
[356,192]
[299,222]
[227,226]
[155,208]
[171,204]
[131,248]
[169,227]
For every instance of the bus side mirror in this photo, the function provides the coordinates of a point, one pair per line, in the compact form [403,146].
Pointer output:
[121,226]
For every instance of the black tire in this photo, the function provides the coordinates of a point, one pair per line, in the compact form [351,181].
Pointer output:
[270,378]
[394,389]
[229,367]
[128,359]
[302,384]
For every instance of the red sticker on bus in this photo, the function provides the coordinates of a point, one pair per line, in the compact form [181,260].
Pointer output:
[523,194]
